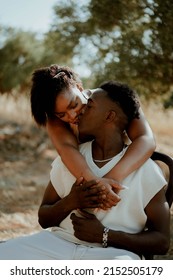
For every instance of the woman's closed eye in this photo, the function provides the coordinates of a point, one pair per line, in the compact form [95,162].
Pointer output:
[60,116]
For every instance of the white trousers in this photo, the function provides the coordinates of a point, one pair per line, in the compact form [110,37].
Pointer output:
[46,245]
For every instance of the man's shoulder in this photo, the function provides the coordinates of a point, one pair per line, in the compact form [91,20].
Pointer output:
[151,172]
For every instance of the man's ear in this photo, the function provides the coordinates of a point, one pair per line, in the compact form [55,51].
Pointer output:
[111,116]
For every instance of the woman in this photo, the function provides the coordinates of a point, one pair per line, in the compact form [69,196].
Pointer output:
[57,100]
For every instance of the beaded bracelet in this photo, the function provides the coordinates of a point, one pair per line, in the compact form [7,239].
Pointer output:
[105,237]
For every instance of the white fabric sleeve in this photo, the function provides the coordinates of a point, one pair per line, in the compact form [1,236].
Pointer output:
[153,180]
[60,177]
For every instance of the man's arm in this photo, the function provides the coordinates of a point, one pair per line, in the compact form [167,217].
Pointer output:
[54,209]
[153,241]
[156,239]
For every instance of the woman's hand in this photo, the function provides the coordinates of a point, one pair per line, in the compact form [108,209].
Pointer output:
[111,190]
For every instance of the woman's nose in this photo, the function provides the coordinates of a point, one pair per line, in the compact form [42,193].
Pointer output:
[72,114]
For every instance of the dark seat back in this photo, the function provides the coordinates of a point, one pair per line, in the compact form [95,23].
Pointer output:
[168,161]
[157,156]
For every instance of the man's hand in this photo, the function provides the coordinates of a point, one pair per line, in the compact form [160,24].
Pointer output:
[87,194]
[87,227]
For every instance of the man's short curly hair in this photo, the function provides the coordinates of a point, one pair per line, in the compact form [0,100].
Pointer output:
[124,96]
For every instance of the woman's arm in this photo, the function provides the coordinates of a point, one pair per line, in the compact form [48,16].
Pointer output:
[66,144]
[140,149]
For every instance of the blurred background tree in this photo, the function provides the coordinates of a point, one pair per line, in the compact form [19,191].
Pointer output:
[130,41]
[20,51]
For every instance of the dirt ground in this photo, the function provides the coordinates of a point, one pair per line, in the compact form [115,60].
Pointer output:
[25,159]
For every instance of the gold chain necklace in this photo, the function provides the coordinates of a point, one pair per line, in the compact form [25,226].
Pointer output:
[103,160]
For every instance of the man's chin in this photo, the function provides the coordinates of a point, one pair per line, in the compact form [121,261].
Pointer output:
[83,137]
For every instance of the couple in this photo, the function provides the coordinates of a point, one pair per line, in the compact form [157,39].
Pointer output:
[80,228]
[57,99]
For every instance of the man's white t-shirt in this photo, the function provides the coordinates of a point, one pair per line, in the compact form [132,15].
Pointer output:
[129,214]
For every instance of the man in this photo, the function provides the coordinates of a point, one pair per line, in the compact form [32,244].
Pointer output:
[138,224]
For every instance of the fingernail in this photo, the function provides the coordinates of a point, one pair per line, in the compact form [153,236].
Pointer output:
[125,187]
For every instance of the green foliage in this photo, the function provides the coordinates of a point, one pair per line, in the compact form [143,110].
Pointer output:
[130,41]
[169,102]
[19,53]
[126,40]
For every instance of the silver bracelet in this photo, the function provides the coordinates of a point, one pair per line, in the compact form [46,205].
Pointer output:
[105,237]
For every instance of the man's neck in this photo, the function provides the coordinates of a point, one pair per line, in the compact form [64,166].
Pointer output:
[106,147]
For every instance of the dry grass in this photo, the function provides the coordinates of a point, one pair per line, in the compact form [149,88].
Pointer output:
[161,122]
[15,109]
[26,155]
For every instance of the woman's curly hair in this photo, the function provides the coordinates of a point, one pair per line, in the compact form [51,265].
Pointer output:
[47,84]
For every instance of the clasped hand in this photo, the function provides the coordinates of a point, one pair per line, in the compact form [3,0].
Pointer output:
[87,194]
[111,190]
[94,194]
